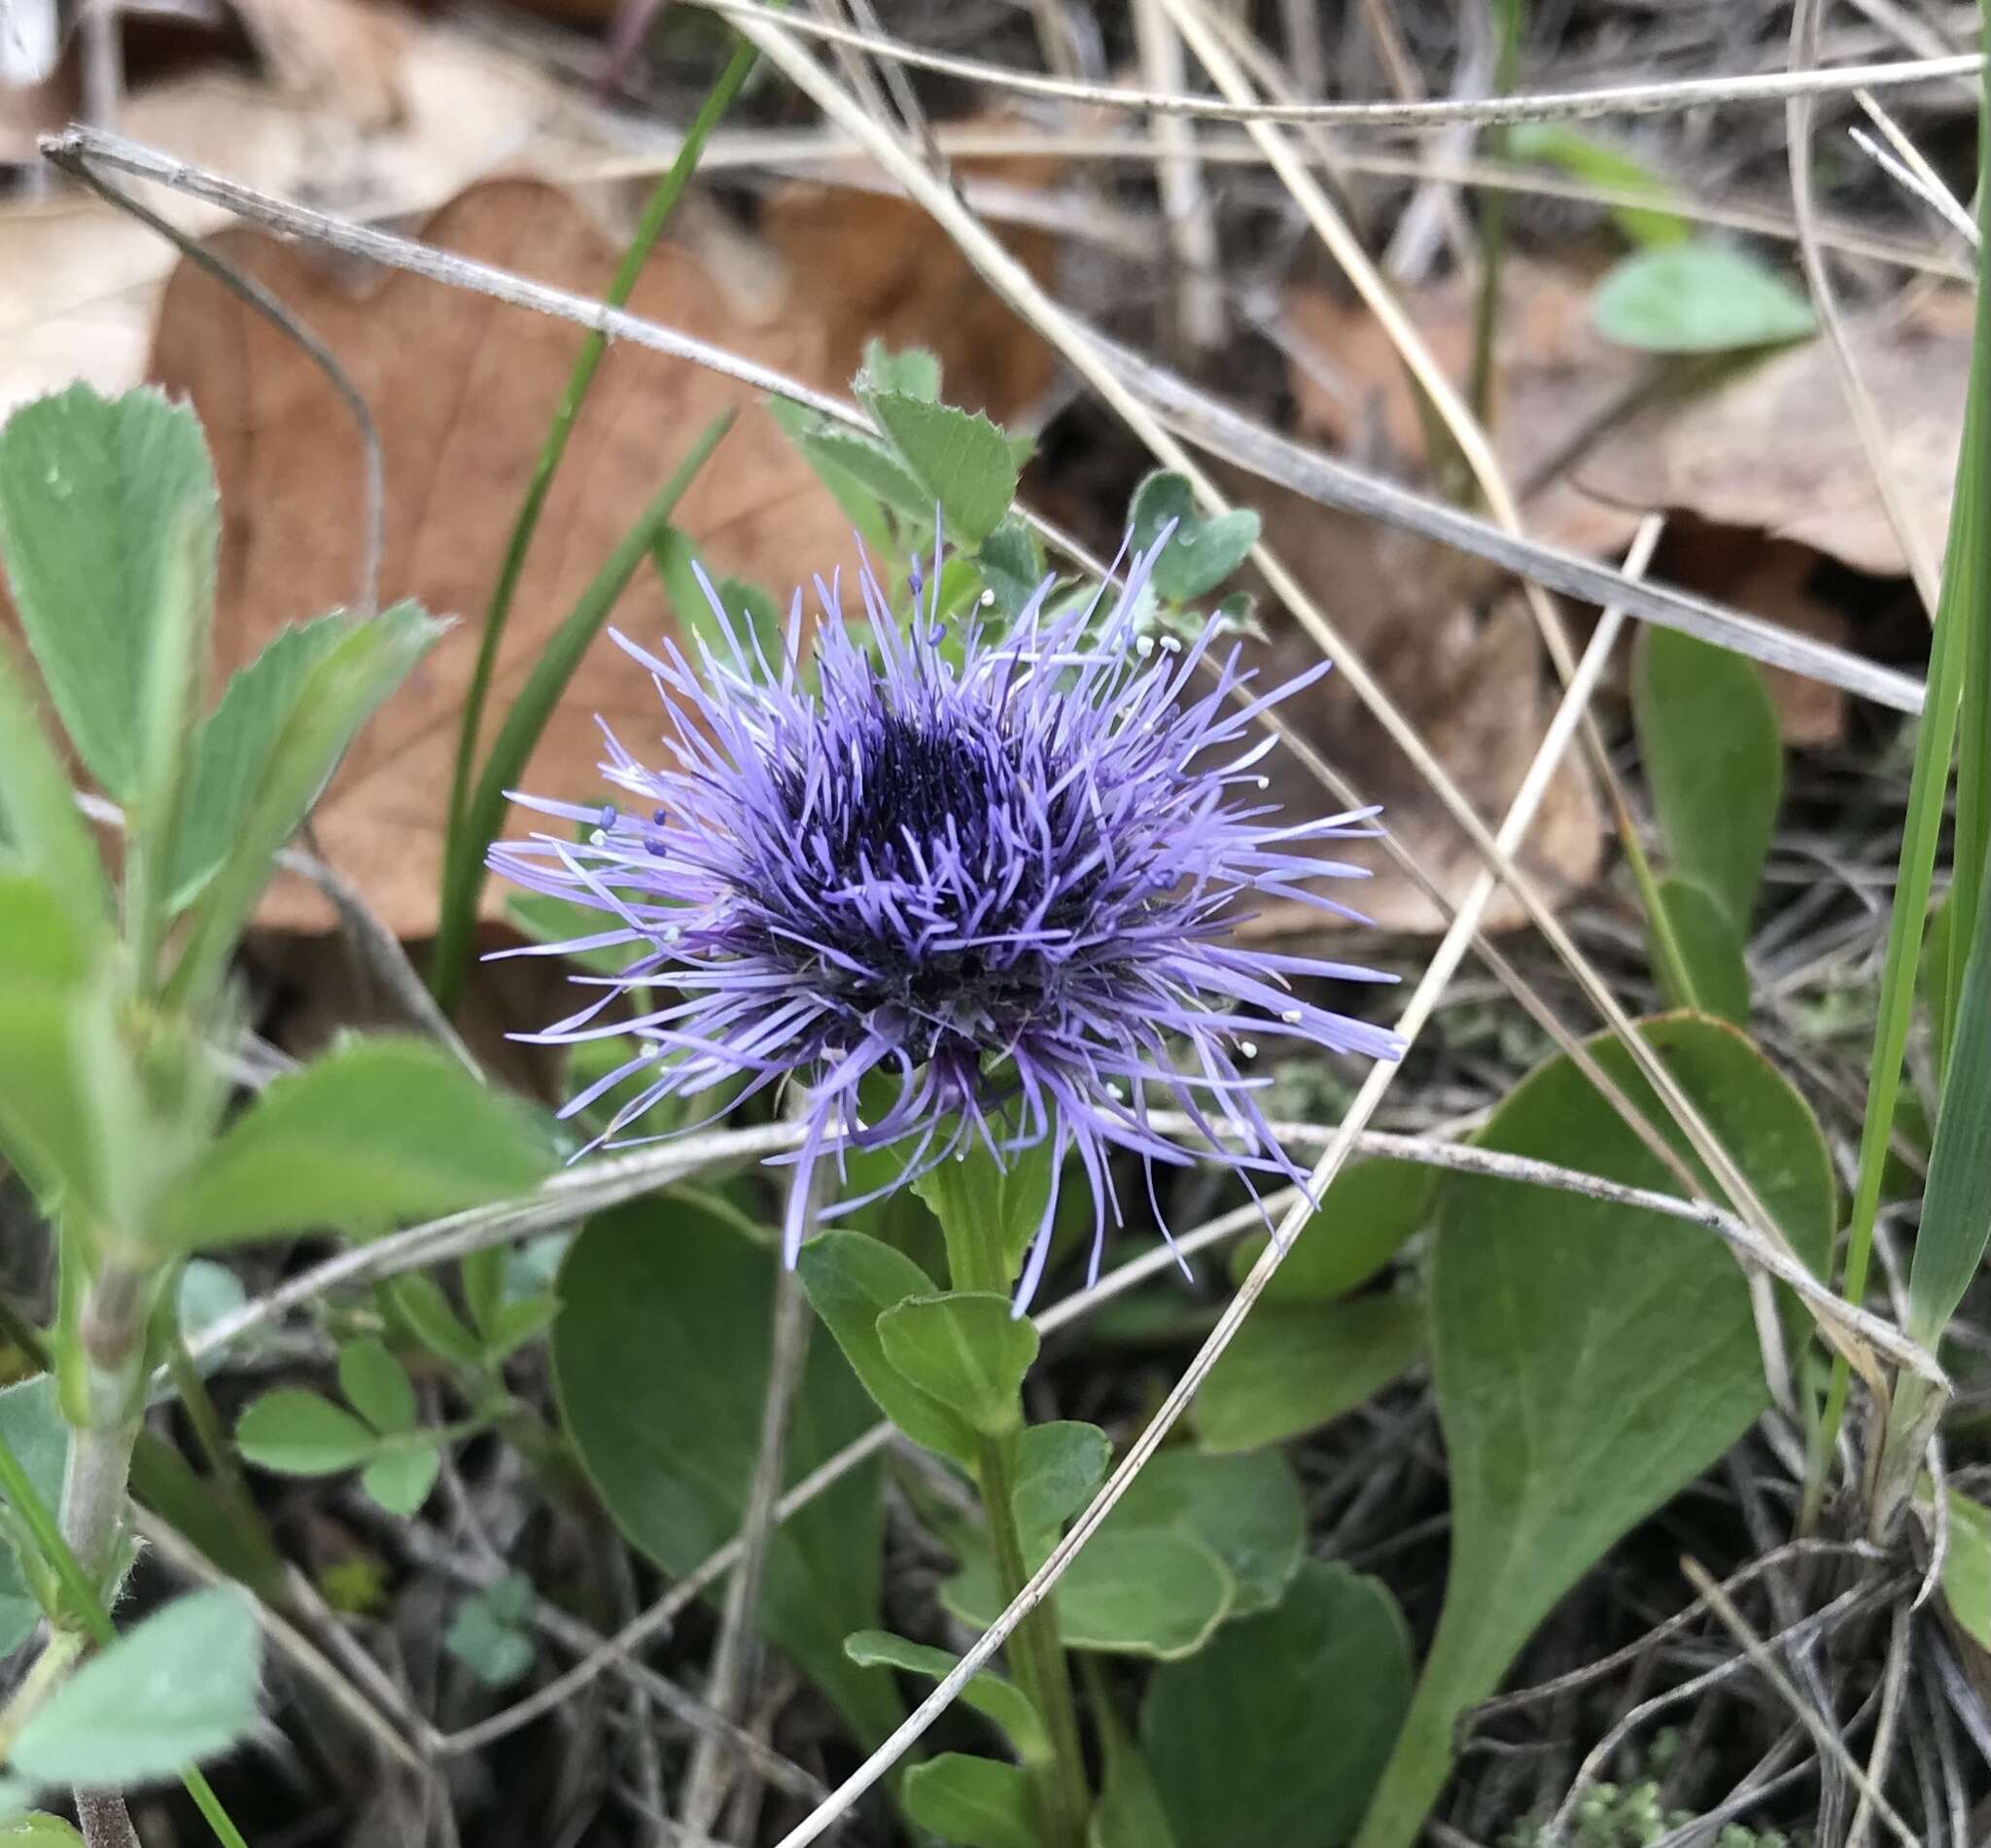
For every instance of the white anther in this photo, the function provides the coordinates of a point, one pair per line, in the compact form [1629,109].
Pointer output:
[1292,1017]
[1248,1047]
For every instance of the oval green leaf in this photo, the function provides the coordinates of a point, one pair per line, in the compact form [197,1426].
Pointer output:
[1710,950]
[1698,297]
[966,1349]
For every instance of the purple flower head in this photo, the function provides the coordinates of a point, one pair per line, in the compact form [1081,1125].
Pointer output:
[994,875]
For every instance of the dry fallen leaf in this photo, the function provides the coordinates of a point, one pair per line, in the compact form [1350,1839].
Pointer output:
[1773,446]
[1555,378]
[462,389]
[1466,671]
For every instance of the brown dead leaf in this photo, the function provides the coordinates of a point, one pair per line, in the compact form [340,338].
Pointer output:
[1468,676]
[462,389]
[1773,446]
[1555,379]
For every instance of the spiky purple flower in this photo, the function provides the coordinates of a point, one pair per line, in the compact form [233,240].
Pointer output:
[1001,873]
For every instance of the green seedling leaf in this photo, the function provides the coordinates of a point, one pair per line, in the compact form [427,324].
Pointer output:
[231,749]
[209,1514]
[1277,1731]
[1057,1466]
[375,1130]
[400,1480]
[805,429]
[542,917]
[32,1427]
[1710,947]
[1367,1215]
[418,1303]
[294,1432]
[977,1802]
[873,466]
[208,1293]
[915,372]
[1698,297]
[752,612]
[1012,564]
[1291,1369]
[1590,1359]
[1956,1207]
[343,689]
[988,1206]
[96,495]
[376,1386]
[1587,157]
[1001,1703]
[49,1119]
[488,1633]
[959,458]
[1146,1591]
[174,1689]
[1707,733]
[42,832]
[1967,1567]
[661,1359]
[966,1349]
[1201,552]
[851,1280]
[1247,1510]
[39,1829]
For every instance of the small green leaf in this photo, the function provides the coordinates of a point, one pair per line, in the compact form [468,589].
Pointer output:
[1146,1592]
[49,1119]
[418,1303]
[1277,1732]
[542,917]
[400,1480]
[1711,948]
[1707,733]
[850,1279]
[1967,1567]
[1012,566]
[294,1432]
[991,1206]
[1698,297]
[42,832]
[32,1427]
[1201,552]
[915,372]
[1057,1466]
[754,614]
[1367,1215]
[1291,1369]
[488,1634]
[1129,1813]
[376,1386]
[95,494]
[977,1802]
[37,1831]
[815,441]
[958,457]
[1587,157]
[377,1130]
[966,1349]
[208,1293]
[1000,1701]
[232,746]
[176,1688]
[1247,1510]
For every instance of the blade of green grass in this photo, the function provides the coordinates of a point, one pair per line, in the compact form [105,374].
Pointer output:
[1963,611]
[463,871]
[656,214]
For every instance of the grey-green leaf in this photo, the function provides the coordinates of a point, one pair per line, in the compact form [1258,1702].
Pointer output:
[1698,297]
[958,457]
[95,494]
[1369,1212]
[33,1429]
[1057,1466]
[400,1480]
[915,371]
[1710,947]
[377,1130]
[660,1360]
[1707,733]
[486,1633]
[1967,1567]
[1000,1701]
[1275,1733]
[966,1349]
[296,1431]
[1201,552]
[49,1123]
[1590,1359]
[376,1386]
[850,1279]
[176,1688]
[1292,1369]
[976,1802]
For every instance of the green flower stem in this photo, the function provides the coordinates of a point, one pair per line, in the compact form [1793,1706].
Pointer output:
[975,1260]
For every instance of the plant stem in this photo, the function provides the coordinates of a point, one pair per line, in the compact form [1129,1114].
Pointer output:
[975,1260]
[1493,220]
[110,1340]
[658,210]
